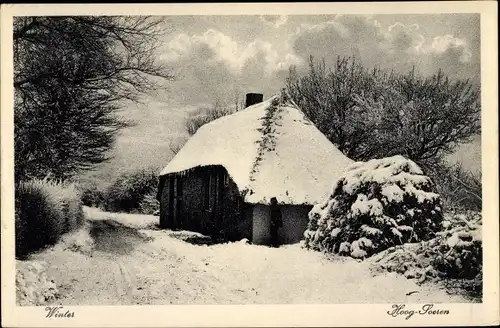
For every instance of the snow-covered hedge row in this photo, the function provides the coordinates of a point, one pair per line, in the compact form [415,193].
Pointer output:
[45,210]
[373,206]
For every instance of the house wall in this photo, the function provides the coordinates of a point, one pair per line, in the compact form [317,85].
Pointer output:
[236,218]
[295,219]
[294,224]
[225,213]
[164,203]
[261,225]
[192,203]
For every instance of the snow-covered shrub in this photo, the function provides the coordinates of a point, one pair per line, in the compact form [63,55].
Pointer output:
[129,189]
[455,254]
[44,210]
[71,203]
[413,260]
[149,205]
[460,246]
[32,284]
[375,205]
[91,194]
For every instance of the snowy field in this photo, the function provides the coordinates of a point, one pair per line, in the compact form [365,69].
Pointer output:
[126,260]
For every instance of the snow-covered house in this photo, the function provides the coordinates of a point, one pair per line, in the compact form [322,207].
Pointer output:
[223,178]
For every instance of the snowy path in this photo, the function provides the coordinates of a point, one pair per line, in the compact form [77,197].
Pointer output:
[132,264]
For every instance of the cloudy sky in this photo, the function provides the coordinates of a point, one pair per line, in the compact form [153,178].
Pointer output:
[217,54]
[222,57]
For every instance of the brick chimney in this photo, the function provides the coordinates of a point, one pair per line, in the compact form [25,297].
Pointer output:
[253,98]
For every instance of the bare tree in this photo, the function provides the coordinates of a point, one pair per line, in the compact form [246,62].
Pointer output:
[424,118]
[204,115]
[104,53]
[373,114]
[328,98]
[71,75]
[460,188]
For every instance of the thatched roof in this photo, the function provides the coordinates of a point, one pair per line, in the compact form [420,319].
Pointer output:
[270,150]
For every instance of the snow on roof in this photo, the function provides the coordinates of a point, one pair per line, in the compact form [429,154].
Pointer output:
[270,150]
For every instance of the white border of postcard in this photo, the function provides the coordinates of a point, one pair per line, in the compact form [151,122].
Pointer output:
[486,313]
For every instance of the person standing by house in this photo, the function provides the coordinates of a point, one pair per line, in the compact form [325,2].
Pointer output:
[276,221]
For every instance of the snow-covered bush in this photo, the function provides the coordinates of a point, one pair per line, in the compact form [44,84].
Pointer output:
[128,191]
[32,284]
[45,210]
[455,254]
[460,246]
[91,194]
[375,205]
[149,205]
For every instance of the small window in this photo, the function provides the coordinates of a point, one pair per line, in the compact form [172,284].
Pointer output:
[226,180]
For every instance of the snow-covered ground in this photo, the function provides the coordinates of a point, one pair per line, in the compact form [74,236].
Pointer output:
[133,262]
